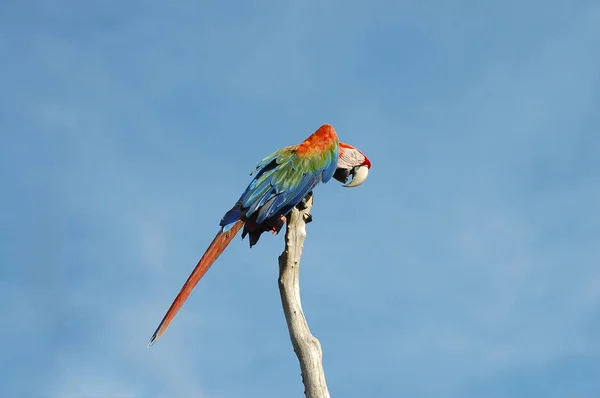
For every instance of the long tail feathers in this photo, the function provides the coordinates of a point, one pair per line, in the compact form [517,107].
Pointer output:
[215,249]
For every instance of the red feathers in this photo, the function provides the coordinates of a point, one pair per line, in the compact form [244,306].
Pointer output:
[321,140]
[212,253]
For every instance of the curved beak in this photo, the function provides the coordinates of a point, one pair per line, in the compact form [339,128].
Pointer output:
[359,175]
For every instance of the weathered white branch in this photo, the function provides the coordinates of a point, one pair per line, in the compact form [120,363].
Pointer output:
[306,346]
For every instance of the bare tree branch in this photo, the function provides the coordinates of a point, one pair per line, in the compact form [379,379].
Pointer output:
[306,346]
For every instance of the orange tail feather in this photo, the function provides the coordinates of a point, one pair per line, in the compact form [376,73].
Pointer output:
[215,249]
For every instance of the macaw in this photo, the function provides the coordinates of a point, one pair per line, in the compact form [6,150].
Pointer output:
[280,183]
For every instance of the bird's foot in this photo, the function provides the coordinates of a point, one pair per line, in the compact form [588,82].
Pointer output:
[303,204]
[278,225]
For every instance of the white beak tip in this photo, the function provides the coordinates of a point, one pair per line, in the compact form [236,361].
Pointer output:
[358,178]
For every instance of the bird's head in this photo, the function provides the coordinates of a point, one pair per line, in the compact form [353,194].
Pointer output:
[351,162]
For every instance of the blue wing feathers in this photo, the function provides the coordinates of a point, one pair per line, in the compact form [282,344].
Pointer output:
[332,165]
[275,187]
[231,217]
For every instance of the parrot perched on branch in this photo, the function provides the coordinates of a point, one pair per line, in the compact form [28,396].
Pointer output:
[280,182]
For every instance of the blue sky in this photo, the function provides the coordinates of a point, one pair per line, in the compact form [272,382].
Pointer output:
[466,266]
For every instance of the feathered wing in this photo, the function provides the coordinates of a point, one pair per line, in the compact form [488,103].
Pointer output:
[282,180]
[215,249]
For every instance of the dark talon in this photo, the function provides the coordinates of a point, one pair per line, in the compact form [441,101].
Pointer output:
[308,218]
[302,204]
